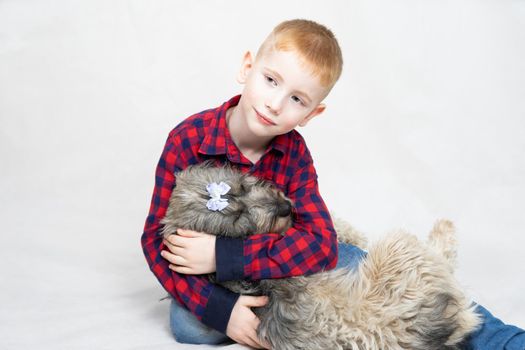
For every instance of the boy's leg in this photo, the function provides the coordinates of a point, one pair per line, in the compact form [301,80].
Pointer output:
[493,334]
[349,255]
[188,329]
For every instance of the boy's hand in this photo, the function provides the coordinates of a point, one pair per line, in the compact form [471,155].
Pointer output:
[190,252]
[243,323]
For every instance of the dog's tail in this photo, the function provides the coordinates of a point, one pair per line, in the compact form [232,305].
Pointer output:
[442,239]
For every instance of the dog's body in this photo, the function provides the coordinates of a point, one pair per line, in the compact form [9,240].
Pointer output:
[402,296]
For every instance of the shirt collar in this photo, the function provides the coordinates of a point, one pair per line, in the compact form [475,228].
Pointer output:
[217,136]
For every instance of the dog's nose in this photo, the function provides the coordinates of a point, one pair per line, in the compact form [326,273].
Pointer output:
[285,209]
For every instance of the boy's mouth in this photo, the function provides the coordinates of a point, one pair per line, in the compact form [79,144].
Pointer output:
[263,118]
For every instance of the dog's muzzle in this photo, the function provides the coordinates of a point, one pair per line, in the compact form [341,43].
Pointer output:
[284,209]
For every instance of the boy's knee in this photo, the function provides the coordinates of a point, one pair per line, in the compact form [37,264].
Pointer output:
[349,256]
[186,328]
[186,335]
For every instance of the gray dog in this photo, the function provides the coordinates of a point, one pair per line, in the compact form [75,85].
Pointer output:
[402,296]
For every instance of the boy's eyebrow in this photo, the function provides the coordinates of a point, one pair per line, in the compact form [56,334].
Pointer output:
[278,76]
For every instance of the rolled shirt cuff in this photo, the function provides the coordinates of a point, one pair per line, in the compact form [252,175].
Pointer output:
[229,259]
[219,308]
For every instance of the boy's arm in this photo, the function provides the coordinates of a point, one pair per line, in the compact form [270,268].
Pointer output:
[212,304]
[308,247]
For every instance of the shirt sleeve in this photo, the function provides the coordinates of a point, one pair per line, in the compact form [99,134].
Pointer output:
[308,247]
[212,304]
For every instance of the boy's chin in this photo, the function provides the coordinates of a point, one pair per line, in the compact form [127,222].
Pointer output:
[259,132]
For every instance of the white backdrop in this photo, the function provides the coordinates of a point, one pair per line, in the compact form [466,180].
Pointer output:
[427,121]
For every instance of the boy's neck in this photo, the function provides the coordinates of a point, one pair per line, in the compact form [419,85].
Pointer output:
[251,146]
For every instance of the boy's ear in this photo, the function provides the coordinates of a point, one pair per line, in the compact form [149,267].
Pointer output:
[317,110]
[247,62]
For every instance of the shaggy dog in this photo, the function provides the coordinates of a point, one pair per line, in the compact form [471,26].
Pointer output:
[401,296]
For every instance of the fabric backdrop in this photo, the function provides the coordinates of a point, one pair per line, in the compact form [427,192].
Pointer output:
[427,121]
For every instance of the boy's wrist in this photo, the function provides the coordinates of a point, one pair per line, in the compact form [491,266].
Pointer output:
[229,259]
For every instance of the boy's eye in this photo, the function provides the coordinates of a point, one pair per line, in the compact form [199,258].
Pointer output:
[297,100]
[270,80]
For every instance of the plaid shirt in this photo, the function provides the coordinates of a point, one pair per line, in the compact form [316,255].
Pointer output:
[307,247]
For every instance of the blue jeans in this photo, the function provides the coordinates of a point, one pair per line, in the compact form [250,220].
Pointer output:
[493,334]
[188,329]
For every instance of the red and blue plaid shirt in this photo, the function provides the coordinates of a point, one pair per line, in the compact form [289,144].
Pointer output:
[307,247]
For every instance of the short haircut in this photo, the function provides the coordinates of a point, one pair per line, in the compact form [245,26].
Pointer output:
[313,42]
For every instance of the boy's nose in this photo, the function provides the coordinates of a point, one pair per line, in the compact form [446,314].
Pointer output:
[273,104]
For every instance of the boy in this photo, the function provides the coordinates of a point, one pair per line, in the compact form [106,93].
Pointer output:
[293,71]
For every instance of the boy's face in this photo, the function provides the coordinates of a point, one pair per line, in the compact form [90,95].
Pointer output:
[279,93]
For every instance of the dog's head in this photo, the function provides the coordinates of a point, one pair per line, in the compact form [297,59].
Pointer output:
[249,206]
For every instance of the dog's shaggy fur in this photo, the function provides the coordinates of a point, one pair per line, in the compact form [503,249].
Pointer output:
[402,296]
